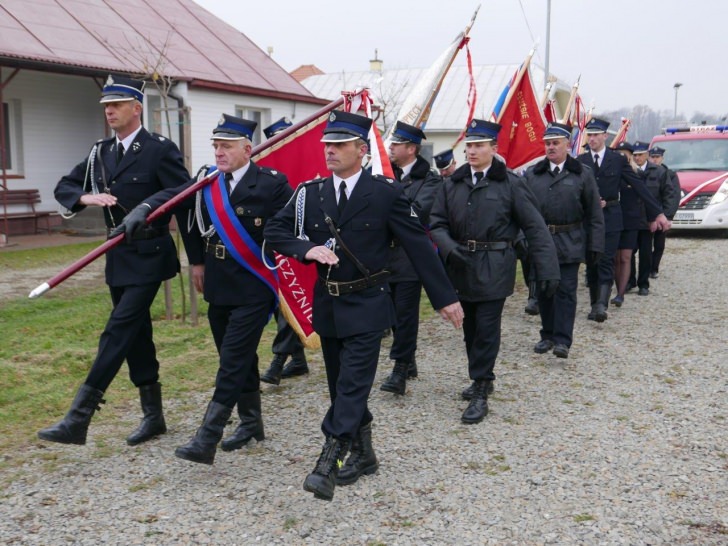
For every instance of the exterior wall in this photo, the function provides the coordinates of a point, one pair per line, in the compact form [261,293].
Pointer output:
[207,106]
[60,120]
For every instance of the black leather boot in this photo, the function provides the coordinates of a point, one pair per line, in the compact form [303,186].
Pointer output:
[251,423]
[600,308]
[202,448]
[273,374]
[412,368]
[532,303]
[397,380]
[478,407]
[593,298]
[73,427]
[297,366]
[322,481]
[153,421]
[467,393]
[362,460]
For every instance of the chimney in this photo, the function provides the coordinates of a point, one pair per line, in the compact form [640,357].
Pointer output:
[375,64]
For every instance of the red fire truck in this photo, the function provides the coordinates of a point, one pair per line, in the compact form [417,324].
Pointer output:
[699,156]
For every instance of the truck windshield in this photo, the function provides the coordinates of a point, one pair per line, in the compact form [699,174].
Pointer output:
[696,154]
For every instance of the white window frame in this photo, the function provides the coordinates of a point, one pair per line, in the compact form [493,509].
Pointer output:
[254,114]
[15,142]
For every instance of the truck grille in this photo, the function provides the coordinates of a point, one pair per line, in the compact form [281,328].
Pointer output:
[698,202]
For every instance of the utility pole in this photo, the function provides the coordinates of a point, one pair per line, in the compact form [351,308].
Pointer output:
[676,87]
[548,42]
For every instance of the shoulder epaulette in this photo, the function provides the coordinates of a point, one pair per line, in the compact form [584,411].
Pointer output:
[268,170]
[382,178]
[158,137]
[313,181]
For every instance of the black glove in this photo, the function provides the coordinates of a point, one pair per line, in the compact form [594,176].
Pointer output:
[132,222]
[592,257]
[548,288]
[457,259]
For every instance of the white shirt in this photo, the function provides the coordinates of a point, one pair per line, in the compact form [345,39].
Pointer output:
[350,183]
[600,153]
[473,171]
[238,176]
[407,168]
[128,140]
[560,166]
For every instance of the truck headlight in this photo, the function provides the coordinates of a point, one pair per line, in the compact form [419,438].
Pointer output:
[721,195]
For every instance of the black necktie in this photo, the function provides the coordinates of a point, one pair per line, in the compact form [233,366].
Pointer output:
[119,152]
[478,176]
[596,160]
[342,196]
[556,170]
[228,182]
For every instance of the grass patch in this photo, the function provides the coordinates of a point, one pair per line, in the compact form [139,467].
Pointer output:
[579,518]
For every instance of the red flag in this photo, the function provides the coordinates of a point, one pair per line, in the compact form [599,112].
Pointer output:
[521,139]
[549,112]
[301,158]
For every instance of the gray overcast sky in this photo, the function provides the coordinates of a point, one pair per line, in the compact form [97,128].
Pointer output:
[628,52]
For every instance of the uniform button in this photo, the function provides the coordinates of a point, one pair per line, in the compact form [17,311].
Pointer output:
[315,225]
[338,229]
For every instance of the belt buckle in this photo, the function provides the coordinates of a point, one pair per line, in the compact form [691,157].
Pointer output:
[220,252]
[333,288]
[552,229]
[472,245]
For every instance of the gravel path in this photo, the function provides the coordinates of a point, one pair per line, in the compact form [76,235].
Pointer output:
[623,443]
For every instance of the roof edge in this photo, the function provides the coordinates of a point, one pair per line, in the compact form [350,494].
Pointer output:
[242,89]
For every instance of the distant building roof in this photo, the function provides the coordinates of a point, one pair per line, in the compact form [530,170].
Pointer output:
[450,110]
[306,70]
[92,38]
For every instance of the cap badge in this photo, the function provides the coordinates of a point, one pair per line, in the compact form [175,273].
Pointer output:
[222,120]
[332,117]
[109,81]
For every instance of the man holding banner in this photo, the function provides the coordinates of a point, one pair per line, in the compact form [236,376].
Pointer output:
[228,265]
[345,224]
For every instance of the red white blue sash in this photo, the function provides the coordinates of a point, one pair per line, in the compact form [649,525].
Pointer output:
[238,242]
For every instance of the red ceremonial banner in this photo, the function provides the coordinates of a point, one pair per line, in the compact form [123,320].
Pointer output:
[301,158]
[520,140]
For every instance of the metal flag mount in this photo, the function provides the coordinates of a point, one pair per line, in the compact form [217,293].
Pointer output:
[176,200]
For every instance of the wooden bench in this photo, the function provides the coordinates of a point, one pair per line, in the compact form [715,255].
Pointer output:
[26,199]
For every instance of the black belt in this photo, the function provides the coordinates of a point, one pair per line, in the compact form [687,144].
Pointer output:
[612,203]
[473,246]
[394,243]
[339,288]
[563,228]
[219,251]
[148,232]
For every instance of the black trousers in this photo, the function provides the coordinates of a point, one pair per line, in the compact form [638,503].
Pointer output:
[127,335]
[237,331]
[351,364]
[558,312]
[603,271]
[406,297]
[644,248]
[482,329]
[286,341]
[658,249]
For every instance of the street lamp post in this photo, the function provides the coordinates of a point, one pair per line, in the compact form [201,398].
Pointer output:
[676,87]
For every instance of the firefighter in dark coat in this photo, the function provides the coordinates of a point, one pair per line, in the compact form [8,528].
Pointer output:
[568,199]
[420,183]
[229,268]
[657,156]
[611,171]
[475,221]
[121,172]
[345,224]
[661,187]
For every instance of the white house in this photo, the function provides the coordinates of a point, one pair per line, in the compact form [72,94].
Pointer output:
[56,54]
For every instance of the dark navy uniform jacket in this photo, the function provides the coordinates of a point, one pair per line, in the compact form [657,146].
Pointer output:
[570,197]
[151,164]
[494,210]
[257,197]
[662,188]
[420,186]
[613,172]
[376,212]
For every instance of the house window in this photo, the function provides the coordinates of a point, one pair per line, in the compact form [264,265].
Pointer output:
[165,122]
[253,115]
[12,137]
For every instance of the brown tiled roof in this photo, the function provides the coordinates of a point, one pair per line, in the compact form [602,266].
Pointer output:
[306,70]
[99,36]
